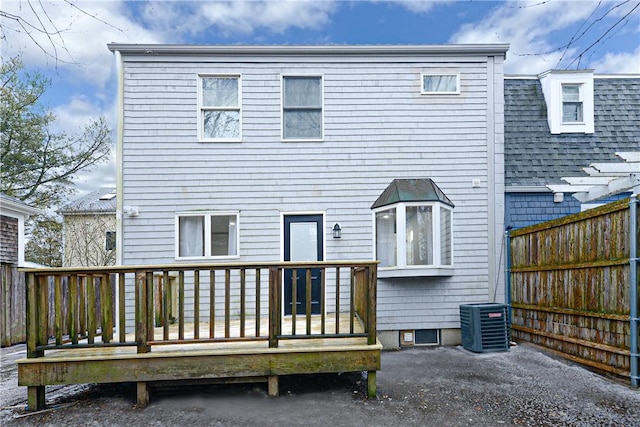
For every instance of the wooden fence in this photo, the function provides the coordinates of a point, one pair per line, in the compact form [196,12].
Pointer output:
[12,306]
[570,287]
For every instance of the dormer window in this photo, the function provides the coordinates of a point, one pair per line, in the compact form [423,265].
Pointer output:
[572,103]
[413,230]
[568,95]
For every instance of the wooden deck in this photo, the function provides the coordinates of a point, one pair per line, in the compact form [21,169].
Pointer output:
[231,349]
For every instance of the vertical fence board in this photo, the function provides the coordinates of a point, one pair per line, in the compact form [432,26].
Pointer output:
[570,286]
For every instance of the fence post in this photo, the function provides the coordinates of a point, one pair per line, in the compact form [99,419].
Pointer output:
[507,278]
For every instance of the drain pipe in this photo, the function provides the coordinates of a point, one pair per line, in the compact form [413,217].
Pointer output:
[633,295]
[507,278]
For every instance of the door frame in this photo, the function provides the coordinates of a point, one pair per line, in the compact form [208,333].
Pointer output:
[282,242]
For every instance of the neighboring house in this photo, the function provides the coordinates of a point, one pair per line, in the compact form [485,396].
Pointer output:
[13,214]
[556,124]
[270,153]
[89,229]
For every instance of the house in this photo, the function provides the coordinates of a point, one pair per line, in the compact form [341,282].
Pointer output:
[13,214]
[312,153]
[556,124]
[89,225]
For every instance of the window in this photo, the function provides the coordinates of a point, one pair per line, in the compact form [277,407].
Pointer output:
[207,235]
[110,241]
[413,229]
[220,113]
[302,108]
[412,235]
[571,104]
[440,84]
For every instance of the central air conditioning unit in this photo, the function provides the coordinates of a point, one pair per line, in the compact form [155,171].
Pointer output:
[484,327]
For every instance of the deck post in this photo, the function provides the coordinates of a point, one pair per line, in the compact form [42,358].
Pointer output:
[141,312]
[35,394]
[274,306]
[142,394]
[371,306]
[35,398]
[371,383]
[273,385]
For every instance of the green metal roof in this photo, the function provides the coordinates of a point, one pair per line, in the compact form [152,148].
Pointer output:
[411,190]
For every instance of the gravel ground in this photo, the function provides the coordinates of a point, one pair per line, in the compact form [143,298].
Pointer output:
[444,386]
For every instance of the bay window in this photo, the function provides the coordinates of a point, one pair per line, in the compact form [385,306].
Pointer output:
[413,230]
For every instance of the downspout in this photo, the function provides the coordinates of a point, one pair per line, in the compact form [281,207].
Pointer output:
[507,278]
[119,181]
[633,294]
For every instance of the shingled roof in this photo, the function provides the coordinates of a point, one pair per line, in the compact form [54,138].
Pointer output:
[535,157]
[102,200]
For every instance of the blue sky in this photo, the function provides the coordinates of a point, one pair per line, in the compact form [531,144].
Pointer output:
[604,35]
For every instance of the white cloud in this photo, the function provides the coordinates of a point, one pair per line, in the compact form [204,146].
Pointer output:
[619,63]
[71,36]
[533,29]
[245,17]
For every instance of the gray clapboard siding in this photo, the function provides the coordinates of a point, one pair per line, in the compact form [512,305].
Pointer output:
[377,127]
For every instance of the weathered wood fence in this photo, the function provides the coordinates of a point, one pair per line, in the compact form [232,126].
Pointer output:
[571,287]
[12,306]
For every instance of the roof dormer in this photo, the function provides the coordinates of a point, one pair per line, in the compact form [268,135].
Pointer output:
[569,98]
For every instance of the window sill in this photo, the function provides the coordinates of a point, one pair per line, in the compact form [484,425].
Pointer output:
[391,272]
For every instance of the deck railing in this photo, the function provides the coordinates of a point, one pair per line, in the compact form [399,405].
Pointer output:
[148,305]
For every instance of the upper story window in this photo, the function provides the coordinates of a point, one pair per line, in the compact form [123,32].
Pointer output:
[572,103]
[207,235]
[220,111]
[302,108]
[568,95]
[436,84]
[413,230]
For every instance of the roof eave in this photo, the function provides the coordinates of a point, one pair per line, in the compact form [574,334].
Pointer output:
[309,50]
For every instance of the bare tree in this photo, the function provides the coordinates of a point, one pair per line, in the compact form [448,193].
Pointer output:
[34,20]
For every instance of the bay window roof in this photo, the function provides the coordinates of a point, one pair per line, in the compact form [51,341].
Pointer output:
[411,190]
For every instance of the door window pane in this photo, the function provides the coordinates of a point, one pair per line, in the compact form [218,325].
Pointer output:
[386,243]
[303,241]
[419,235]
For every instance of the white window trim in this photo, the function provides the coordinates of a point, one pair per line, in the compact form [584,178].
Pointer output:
[402,269]
[201,108]
[283,139]
[207,234]
[456,92]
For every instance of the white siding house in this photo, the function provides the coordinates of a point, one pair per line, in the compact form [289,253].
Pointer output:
[230,152]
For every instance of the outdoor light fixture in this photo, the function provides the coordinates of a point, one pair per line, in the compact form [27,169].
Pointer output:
[337,231]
